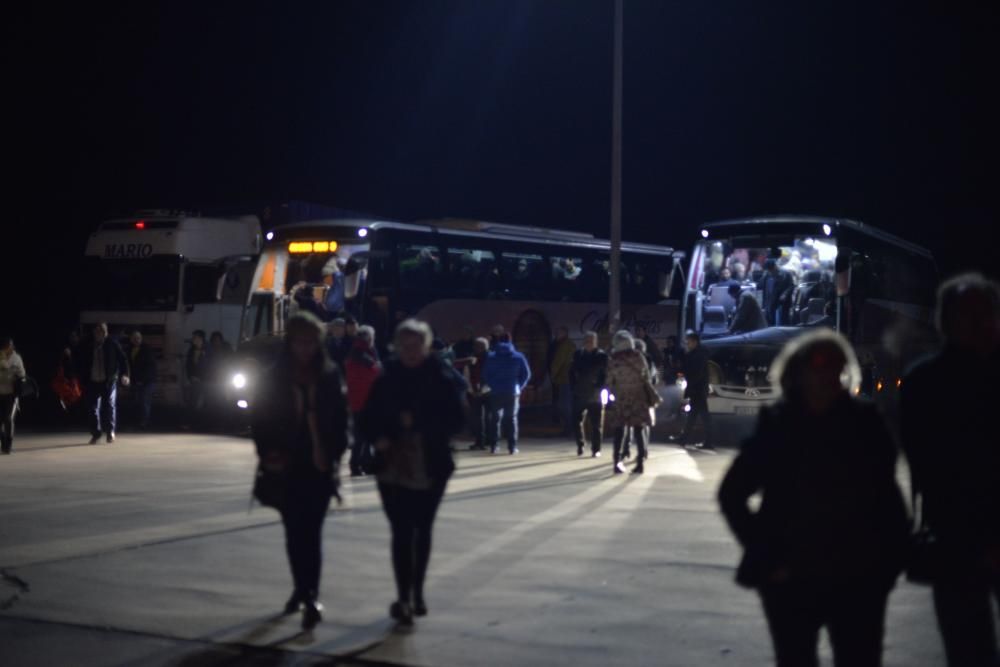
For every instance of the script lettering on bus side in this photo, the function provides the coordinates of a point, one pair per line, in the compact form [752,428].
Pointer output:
[127,250]
[595,321]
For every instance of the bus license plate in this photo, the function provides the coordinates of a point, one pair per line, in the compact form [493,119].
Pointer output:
[750,410]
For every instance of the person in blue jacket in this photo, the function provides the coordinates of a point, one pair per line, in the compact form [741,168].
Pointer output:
[506,373]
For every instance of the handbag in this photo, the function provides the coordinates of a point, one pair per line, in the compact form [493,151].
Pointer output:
[269,487]
[923,563]
[66,389]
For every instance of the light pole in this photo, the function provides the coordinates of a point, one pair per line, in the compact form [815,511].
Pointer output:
[614,296]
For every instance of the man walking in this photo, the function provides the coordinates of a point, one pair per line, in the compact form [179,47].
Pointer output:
[696,375]
[587,376]
[506,373]
[143,365]
[102,365]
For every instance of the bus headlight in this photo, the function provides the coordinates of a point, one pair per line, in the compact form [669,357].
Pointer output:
[239,381]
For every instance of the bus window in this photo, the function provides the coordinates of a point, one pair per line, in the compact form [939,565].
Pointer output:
[472,272]
[131,284]
[644,278]
[524,275]
[419,266]
[201,283]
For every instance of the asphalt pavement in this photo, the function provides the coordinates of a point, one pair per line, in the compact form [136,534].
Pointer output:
[146,552]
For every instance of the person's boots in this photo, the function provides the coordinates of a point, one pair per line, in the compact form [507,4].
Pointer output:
[6,444]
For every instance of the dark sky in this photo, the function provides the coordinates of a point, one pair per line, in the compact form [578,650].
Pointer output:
[500,109]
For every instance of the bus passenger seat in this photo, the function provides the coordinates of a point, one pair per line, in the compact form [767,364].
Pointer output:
[814,311]
[714,320]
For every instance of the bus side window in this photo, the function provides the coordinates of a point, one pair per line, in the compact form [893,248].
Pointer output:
[567,275]
[472,272]
[525,275]
[419,266]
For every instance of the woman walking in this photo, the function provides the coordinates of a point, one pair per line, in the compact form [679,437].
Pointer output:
[11,374]
[300,429]
[634,398]
[412,413]
[828,541]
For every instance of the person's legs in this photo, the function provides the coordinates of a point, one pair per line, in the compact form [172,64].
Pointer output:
[312,539]
[619,442]
[640,442]
[965,618]
[357,446]
[477,419]
[578,425]
[398,509]
[493,418]
[147,403]
[510,410]
[794,623]
[7,403]
[595,419]
[94,394]
[291,518]
[109,408]
[426,510]
[857,626]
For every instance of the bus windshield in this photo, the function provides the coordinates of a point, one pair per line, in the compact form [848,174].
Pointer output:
[790,279]
[150,284]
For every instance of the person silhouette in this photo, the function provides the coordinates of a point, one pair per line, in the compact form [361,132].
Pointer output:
[949,401]
[830,537]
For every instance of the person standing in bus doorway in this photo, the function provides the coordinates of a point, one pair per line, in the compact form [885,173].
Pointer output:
[948,426]
[103,364]
[695,369]
[777,285]
[830,536]
[506,373]
[361,369]
[196,376]
[11,374]
[411,415]
[634,399]
[143,365]
[561,358]
[333,277]
[588,376]
[299,424]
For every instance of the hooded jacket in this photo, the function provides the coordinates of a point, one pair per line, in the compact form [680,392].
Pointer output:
[506,371]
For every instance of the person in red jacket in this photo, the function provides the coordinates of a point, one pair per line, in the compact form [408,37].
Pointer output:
[361,367]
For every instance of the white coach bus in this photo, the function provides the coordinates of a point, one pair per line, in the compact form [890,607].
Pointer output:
[461,273]
[166,274]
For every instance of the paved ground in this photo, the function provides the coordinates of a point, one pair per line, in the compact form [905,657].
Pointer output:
[144,553]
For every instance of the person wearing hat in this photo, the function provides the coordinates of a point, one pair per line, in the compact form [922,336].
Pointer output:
[333,278]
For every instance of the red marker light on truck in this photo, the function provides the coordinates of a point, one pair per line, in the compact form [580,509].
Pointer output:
[140,224]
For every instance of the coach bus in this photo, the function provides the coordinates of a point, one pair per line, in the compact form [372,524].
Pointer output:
[872,286]
[166,274]
[459,275]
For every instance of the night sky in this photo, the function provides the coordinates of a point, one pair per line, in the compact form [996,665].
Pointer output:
[496,109]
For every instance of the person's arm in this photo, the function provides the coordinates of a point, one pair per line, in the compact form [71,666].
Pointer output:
[525,374]
[123,364]
[741,482]
[574,371]
[18,367]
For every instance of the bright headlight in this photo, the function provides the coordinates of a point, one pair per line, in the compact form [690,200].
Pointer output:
[239,381]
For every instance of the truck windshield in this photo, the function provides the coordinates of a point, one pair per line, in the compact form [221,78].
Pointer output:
[150,284]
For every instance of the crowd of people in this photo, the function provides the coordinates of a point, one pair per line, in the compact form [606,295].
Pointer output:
[824,547]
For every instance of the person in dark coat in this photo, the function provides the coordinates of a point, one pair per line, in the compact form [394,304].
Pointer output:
[102,365]
[587,377]
[299,423]
[653,351]
[777,286]
[695,368]
[197,374]
[412,413]
[830,537]
[948,413]
[143,365]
